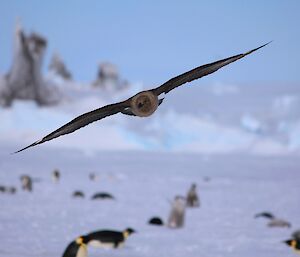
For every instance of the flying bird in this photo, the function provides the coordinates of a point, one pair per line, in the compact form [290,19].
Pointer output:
[144,103]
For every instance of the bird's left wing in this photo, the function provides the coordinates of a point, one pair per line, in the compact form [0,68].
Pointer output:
[82,121]
[199,72]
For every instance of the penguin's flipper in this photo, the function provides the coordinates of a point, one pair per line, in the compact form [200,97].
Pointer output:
[75,250]
[71,250]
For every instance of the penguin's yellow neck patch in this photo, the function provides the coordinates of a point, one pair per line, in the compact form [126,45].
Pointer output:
[294,246]
[126,234]
[79,241]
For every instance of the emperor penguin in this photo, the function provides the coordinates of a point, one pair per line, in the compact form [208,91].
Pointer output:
[273,221]
[192,199]
[176,217]
[267,215]
[157,221]
[55,176]
[103,196]
[77,248]
[294,244]
[109,238]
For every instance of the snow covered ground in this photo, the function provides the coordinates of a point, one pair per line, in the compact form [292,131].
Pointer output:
[245,138]
[43,222]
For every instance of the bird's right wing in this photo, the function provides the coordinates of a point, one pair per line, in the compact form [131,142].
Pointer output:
[199,72]
[82,121]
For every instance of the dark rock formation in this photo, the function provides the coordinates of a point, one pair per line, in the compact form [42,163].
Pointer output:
[25,80]
[58,67]
[108,78]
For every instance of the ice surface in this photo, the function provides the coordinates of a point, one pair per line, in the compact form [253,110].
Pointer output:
[245,138]
[42,223]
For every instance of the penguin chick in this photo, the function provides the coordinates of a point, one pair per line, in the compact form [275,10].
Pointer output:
[293,243]
[177,214]
[26,182]
[77,248]
[192,199]
[109,238]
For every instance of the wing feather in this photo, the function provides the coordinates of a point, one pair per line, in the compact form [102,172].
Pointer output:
[199,72]
[82,121]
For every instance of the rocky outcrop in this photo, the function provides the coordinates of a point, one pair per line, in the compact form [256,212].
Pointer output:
[58,67]
[108,78]
[24,80]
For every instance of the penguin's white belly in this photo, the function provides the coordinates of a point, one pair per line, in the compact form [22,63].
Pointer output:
[82,252]
[99,244]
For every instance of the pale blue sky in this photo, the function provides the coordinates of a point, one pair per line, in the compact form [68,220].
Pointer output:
[151,41]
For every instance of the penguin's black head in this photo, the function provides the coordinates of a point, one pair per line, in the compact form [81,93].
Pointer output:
[288,242]
[293,243]
[130,231]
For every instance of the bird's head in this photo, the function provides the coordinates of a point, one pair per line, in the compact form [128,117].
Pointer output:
[144,104]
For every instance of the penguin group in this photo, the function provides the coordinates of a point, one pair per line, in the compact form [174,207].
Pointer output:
[115,239]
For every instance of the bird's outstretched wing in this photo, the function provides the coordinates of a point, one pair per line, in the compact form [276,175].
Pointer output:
[199,72]
[82,121]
